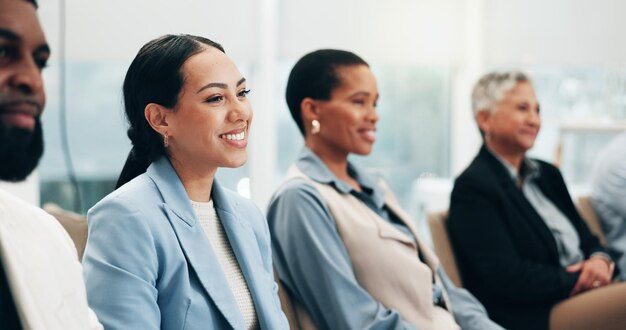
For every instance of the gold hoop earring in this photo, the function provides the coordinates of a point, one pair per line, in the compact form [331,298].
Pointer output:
[315,126]
[166,140]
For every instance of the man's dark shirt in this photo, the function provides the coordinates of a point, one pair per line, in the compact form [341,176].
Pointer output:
[9,319]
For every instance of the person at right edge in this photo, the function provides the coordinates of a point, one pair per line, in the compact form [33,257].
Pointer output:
[344,249]
[608,198]
[523,250]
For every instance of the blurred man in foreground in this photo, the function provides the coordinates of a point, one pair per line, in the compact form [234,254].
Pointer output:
[41,284]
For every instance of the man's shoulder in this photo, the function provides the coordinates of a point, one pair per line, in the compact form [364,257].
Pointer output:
[8,199]
[14,207]
[21,222]
[21,216]
[42,255]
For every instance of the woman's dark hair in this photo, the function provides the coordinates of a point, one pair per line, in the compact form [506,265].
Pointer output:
[315,76]
[154,76]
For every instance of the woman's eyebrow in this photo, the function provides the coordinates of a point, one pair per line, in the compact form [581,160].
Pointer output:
[219,85]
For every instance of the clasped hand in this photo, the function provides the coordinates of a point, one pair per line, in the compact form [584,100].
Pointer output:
[595,272]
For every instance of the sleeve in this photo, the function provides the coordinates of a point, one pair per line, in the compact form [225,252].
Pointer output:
[608,180]
[617,197]
[484,243]
[313,264]
[120,267]
[608,192]
[589,243]
[468,312]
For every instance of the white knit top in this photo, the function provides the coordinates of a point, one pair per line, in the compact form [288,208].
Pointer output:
[214,230]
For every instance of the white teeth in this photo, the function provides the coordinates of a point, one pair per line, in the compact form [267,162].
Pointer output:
[371,134]
[234,137]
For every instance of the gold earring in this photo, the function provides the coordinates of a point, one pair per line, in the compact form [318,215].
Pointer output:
[315,126]
[166,140]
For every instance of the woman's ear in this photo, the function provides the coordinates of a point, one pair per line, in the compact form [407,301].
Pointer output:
[157,116]
[310,110]
[483,119]
[310,116]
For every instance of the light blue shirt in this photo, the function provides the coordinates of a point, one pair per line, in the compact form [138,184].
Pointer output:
[608,196]
[564,233]
[310,256]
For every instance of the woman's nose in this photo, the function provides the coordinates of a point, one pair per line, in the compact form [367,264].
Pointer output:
[240,110]
[534,118]
[373,115]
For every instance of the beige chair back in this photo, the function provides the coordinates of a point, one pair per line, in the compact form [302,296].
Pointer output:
[298,317]
[75,224]
[585,208]
[442,245]
[286,305]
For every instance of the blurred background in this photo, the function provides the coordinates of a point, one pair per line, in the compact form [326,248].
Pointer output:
[426,55]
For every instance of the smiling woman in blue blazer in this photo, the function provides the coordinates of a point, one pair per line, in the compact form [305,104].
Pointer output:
[171,248]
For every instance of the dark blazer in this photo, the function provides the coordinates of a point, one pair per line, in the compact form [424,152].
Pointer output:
[507,255]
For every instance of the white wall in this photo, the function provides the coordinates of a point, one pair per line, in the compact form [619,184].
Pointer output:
[467,35]
[555,32]
[515,31]
[400,31]
[116,29]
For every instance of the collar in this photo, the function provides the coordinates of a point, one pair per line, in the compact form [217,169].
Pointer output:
[528,171]
[313,167]
[174,195]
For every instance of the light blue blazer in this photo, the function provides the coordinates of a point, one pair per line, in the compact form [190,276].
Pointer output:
[149,265]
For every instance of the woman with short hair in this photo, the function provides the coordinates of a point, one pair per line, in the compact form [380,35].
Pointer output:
[344,249]
[520,243]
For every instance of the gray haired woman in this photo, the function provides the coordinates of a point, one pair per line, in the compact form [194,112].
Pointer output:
[523,249]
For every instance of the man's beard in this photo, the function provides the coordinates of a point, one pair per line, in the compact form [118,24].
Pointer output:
[20,151]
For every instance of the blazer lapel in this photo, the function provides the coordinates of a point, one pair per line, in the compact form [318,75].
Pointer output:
[534,219]
[244,244]
[193,241]
[519,200]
